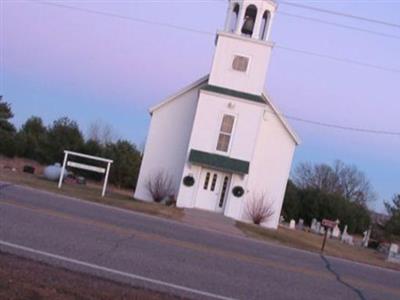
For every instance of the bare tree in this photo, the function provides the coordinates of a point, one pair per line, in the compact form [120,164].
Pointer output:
[259,209]
[160,186]
[101,132]
[344,180]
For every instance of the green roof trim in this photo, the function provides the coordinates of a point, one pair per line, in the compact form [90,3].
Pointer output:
[219,162]
[233,93]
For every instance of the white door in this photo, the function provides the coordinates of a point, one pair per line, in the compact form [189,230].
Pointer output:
[212,191]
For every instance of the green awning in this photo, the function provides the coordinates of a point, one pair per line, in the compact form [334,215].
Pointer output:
[233,93]
[219,162]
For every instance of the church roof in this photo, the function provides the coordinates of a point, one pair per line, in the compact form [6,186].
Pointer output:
[263,99]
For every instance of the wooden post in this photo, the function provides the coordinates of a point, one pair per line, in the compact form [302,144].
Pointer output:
[60,180]
[105,180]
[324,241]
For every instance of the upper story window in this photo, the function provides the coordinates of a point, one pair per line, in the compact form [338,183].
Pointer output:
[225,134]
[240,63]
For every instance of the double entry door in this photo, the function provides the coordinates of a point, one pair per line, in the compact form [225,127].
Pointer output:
[213,189]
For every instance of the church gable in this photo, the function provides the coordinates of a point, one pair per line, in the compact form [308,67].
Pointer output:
[195,86]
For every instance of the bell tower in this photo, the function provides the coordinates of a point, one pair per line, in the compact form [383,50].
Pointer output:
[243,48]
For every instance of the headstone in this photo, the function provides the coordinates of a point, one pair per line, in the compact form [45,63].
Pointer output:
[336,232]
[318,227]
[281,219]
[329,233]
[394,255]
[322,230]
[292,224]
[345,230]
[314,225]
[394,248]
[365,240]
[346,238]
[300,225]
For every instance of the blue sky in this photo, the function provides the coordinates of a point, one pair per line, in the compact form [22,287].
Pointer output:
[59,62]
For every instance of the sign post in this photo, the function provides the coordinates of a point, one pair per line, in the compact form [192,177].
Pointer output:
[327,224]
[85,167]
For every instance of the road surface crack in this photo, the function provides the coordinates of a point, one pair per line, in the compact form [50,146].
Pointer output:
[115,247]
[340,280]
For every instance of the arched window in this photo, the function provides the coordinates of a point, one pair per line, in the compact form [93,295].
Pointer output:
[264,25]
[234,18]
[249,20]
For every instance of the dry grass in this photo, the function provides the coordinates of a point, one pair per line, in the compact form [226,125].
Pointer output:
[312,242]
[92,192]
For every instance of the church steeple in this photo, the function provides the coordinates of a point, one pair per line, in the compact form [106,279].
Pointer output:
[250,18]
[243,47]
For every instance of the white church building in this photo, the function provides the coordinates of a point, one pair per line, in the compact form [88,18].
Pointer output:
[221,140]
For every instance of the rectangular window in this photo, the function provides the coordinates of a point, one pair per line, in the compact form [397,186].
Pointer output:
[225,133]
[206,181]
[240,63]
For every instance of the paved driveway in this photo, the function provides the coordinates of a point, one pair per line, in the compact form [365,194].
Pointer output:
[173,257]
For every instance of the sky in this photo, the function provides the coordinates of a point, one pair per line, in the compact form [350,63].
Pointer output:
[61,62]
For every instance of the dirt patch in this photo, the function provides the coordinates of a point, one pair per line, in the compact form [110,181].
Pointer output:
[19,163]
[22,278]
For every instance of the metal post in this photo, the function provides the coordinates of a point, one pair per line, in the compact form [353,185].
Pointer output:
[324,241]
[105,180]
[60,180]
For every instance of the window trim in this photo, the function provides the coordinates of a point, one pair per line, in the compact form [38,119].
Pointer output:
[221,118]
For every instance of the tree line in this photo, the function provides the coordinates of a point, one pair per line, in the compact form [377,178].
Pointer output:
[46,145]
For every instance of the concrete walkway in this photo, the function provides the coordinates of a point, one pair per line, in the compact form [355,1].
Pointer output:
[211,221]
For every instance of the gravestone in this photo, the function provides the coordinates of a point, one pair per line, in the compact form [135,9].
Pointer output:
[329,233]
[366,237]
[314,225]
[394,248]
[322,230]
[336,232]
[394,255]
[292,224]
[300,225]
[318,227]
[346,238]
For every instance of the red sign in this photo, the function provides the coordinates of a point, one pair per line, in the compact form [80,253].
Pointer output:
[328,223]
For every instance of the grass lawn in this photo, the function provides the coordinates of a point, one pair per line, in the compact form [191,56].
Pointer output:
[312,242]
[92,192]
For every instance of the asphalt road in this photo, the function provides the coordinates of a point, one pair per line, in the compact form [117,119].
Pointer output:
[171,257]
